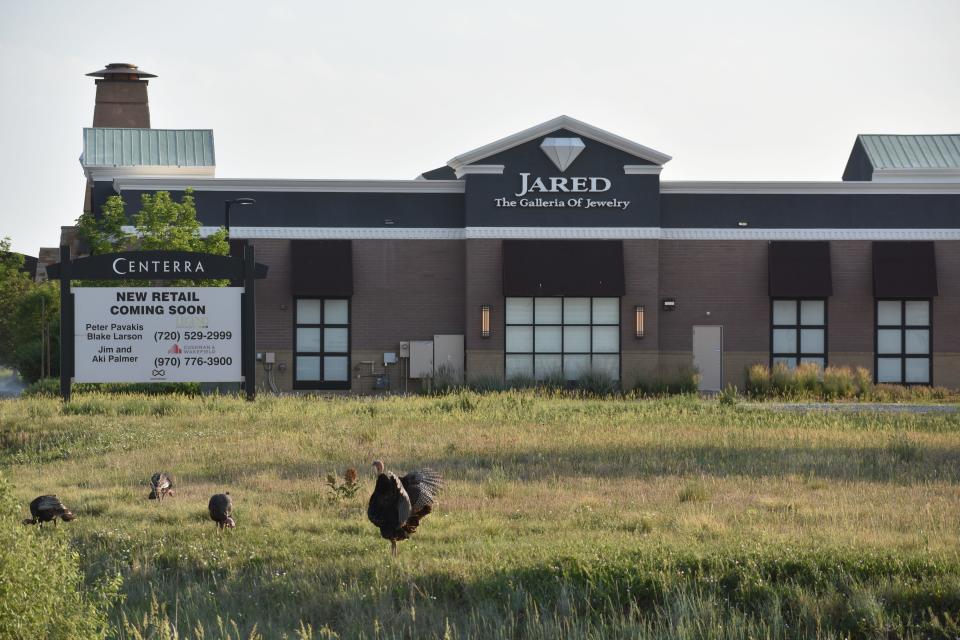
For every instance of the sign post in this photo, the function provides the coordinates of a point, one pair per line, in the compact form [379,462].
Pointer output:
[158,334]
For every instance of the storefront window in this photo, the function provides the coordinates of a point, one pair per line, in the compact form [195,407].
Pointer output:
[903,354]
[798,333]
[553,337]
[322,344]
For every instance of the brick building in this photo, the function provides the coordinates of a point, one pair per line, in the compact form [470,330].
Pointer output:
[558,250]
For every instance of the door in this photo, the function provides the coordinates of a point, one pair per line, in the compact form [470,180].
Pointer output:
[708,356]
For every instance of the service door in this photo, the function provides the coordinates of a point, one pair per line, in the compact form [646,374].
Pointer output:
[708,356]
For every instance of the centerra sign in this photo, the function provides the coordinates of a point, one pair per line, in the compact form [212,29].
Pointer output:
[555,185]
[158,334]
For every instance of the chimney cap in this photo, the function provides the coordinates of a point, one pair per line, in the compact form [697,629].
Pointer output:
[121,71]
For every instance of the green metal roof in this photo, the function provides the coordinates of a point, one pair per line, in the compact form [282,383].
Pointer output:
[912,151]
[114,147]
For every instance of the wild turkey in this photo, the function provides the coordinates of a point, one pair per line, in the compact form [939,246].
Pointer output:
[399,504]
[220,507]
[47,508]
[161,486]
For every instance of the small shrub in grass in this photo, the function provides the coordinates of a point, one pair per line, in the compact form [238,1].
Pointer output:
[445,380]
[521,381]
[863,380]
[487,384]
[839,383]
[553,381]
[758,381]
[497,484]
[598,383]
[694,491]
[684,380]
[729,396]
[43,387]
[343,490]
[806,380]
[781,381]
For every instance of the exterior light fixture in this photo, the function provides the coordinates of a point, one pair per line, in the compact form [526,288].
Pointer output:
[638,321]
[226,209]
[669,304]
[485,321]
[742,223]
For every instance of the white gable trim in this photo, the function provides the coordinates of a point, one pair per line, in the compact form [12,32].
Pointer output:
[482,169]
[642,169]
[560,122]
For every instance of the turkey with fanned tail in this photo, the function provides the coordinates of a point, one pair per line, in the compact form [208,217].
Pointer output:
[398,504]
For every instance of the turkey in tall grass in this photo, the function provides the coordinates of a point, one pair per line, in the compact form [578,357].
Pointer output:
[398,504]
[221,508]
[47,508]
[161,486]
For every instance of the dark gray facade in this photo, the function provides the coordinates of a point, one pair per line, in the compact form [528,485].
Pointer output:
[428,260]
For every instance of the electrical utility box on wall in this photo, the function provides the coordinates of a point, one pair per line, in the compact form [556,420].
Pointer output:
[448,357]
[421,359]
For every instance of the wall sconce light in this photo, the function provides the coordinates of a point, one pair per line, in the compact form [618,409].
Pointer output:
[638,321]
[669,304]
[485,321]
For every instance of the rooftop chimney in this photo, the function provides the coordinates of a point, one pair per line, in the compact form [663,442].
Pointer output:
[121,96]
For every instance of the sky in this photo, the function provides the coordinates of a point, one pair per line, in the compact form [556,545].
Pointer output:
[733,90]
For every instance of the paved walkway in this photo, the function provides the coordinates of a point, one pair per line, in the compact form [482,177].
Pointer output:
[855,407]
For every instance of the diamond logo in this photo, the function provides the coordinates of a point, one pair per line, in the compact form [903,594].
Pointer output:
[562,151]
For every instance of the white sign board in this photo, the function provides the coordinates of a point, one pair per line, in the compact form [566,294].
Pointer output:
[157,334]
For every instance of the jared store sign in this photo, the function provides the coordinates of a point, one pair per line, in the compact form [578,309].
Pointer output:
[562,152]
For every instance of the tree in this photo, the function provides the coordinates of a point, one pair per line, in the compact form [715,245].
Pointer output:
[37,310]
[14,283]
[161,223]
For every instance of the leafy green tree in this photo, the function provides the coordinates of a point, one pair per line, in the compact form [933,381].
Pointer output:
[38,308]
[13,285]
[161,223]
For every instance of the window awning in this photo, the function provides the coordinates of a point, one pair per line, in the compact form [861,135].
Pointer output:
[904,270]
[321,267]
[799,270]
[563,268]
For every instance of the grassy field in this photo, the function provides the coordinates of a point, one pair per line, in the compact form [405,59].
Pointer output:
[561,518]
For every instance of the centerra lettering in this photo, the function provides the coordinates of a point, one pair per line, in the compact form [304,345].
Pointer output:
[564,185]
[123,265]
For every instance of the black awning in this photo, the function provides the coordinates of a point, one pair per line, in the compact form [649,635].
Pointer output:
[563,268]
[904,270]
[799,270]
[321,267]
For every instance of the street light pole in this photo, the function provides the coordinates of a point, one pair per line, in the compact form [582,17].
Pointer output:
[226,210]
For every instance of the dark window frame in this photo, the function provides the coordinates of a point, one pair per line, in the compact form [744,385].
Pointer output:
[563,352]
[903,356]
[323,385]
[799,354]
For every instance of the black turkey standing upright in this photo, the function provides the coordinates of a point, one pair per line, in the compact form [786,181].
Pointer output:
[161,486]
[399,504]
[220,507]
[47,508]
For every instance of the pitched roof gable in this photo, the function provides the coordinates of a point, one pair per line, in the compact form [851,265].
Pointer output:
[560,122]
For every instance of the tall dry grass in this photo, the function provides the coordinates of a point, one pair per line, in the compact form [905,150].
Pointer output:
[562,517]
